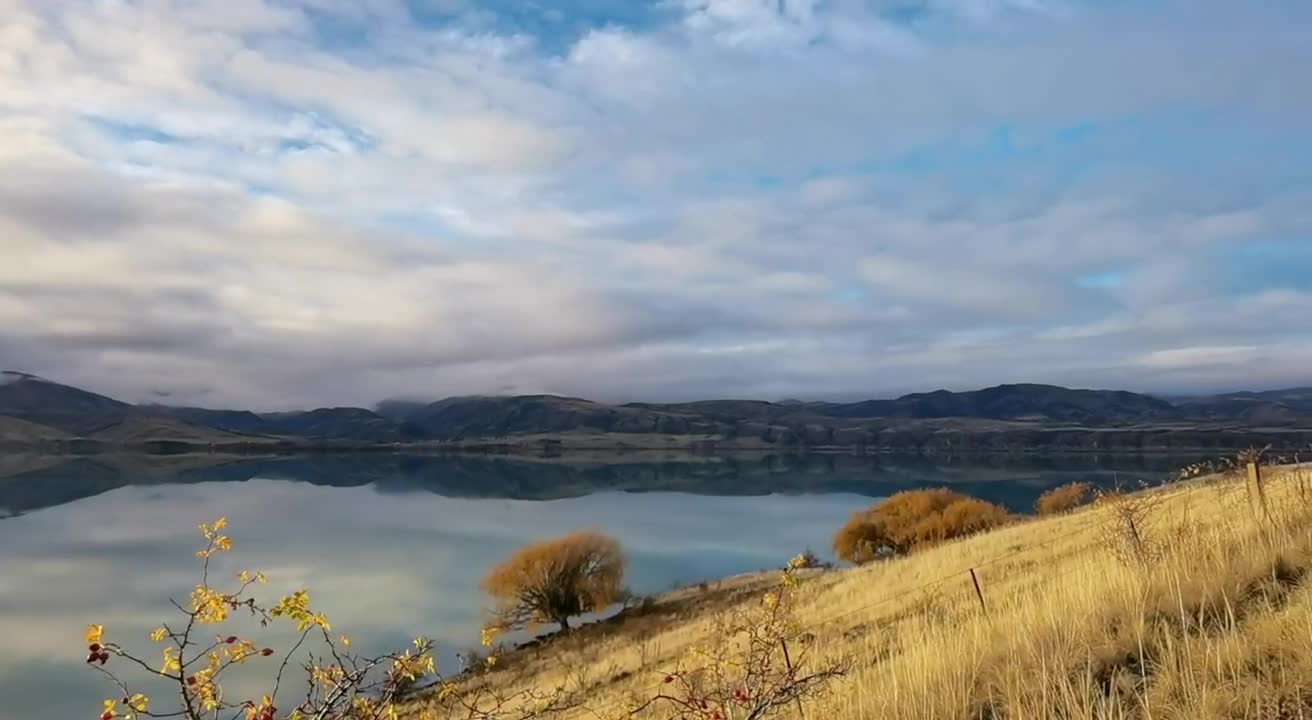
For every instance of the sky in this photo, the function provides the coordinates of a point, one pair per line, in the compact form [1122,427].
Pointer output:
[295,203]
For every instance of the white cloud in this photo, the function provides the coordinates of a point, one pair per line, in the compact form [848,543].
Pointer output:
[1236,356]
[250,200]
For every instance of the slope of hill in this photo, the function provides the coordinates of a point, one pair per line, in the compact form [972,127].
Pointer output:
[400,410]
[238,421]
[1017,402]
[494,416]
[14,431]
[1273,407]
[64,407]
[1005,417]
[1199,612]
[138,430]
[355,424]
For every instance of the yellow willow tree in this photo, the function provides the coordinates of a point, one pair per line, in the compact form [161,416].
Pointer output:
[340,683]
[555,580]
[913,519]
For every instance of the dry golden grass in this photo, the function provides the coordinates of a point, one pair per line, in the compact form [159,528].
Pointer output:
[1212,620]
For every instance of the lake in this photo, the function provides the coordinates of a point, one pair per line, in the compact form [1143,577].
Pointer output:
[391,547]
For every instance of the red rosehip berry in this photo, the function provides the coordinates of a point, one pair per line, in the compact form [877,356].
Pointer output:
[104,657]
[94,647]
[191,680]
[230,639]
[266,652]
[107,715]
[669,679]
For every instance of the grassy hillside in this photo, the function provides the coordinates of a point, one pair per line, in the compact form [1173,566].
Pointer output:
[1207,614]
[21,432]
[136,430]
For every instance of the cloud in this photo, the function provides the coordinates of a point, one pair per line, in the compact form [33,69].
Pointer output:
[242,204]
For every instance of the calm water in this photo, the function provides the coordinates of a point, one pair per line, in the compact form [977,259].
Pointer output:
[393,547]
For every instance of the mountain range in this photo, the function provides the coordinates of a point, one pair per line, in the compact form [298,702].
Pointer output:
[36,411]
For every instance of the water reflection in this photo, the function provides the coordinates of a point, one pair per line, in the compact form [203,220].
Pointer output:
[394,546]
[31,483]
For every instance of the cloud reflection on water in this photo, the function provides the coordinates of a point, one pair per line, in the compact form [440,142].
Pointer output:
[384,567]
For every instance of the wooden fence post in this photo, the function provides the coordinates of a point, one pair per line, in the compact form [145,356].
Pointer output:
[1257,494]
[978,592]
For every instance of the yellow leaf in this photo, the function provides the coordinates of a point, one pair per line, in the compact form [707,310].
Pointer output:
[95,633]
[159,634]
[221,523]
[171,663]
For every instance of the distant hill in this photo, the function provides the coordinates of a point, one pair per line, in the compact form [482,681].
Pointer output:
[142,429]
[1273,407]
[492,416]
[337,423]
[1017,402]
[400,410]
[14,431]
[73,410]
[1004,417]
[239,421]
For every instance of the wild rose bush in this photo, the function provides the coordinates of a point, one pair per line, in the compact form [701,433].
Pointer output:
[758,662]
[196,655]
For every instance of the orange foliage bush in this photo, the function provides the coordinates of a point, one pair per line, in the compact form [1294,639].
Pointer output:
[555,580]
[1064,498]
[912,519]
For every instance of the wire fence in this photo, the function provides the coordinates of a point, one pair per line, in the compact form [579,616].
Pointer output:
[812,628]
[973,569]
[1099,522]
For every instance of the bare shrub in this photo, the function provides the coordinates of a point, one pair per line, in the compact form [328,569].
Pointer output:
[555,580]
[756,664]
[1064,498]
[1126,535]
[913,519]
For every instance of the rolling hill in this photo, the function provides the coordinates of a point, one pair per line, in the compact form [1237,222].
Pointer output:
[1017,402]
[14,431]
[72,410]
[143,429]
[1004,417]
[238,421]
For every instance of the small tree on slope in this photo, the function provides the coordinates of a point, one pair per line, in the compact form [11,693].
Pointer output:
[555,580]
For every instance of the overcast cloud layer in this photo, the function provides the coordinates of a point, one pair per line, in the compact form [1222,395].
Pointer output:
[276,203]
